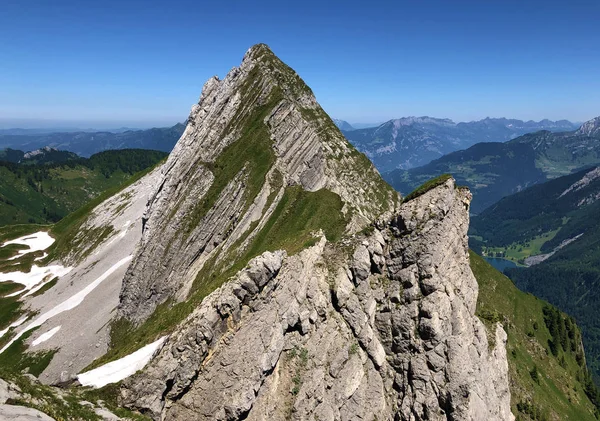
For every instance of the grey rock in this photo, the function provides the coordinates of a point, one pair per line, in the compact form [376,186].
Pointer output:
[323,335]
[106,415]
[8,391]
[180,237]
[21,413]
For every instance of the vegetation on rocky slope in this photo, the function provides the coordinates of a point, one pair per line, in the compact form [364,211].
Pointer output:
[64,232]
[538,221]
[549,377]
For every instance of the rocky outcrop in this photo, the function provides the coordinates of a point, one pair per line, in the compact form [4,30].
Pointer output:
[21,413]
[379,326]
[590,128]
[251,135]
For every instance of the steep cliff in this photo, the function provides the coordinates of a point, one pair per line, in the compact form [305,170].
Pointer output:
[251,137]
[378,326]
[265,220]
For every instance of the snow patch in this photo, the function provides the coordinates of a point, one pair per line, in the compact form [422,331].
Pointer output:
[45,336]
[70,303]
[118,370]
[36,242]
[35,279]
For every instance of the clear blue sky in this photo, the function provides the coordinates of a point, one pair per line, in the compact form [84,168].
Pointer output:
[140,62]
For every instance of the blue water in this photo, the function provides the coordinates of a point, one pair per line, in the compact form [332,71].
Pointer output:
[500,264]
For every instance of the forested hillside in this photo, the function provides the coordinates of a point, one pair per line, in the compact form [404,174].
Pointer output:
[42,193]
[88,143]
[547,365]
[554,229]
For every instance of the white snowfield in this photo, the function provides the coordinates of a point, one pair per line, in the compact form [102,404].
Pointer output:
[36,242]
[35,279]
[68,304]
[118,370]
[45,336]
[38,276]
[93,286]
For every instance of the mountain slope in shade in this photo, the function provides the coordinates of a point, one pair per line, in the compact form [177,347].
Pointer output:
[414,141]
[494,170]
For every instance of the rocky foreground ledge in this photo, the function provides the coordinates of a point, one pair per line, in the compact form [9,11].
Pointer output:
[381,326]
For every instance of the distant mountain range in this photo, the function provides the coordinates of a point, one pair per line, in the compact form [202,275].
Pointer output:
[495,170]
[554,228]
[414,141]
[86,144]
[344,125]
[22,132]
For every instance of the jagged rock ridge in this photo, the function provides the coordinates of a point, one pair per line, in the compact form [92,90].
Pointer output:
[380,327]
[349,322]
[251,137]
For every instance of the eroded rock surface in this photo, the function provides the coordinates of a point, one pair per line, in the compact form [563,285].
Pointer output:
[375,327]
[206,201]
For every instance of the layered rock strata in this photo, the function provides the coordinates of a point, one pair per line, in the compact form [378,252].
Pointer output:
[375,327]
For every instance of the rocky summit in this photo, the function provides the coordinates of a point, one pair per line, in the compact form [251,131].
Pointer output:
[265,271]
[256,142]
[380,326]
[321,296]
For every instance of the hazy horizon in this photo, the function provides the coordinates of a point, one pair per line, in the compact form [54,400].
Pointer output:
[99,125]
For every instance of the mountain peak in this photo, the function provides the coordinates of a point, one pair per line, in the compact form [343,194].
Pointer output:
[259,50]
[257,147]
[590,128]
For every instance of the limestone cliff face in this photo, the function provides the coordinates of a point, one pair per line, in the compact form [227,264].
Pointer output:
[252,135]
[379,326]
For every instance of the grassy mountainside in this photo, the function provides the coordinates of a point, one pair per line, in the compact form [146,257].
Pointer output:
[43,193]
[541,214]
[491,170]
[552,217]
[570,280]
[548,374]
[496,170]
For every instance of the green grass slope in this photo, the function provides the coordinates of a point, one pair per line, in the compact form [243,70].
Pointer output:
[549,379]
[540,214]
[490,170]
